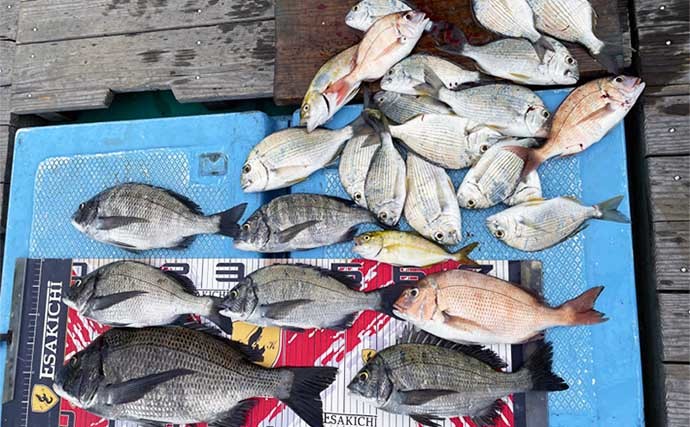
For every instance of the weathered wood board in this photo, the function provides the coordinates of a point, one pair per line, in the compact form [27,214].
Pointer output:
[6,62]
[677,395]
[309,32]
[6,144]
[8,19]
[674,310]
[669,181]
[666,125]
[226,61]
[672,255]
[652,13]
[665,57]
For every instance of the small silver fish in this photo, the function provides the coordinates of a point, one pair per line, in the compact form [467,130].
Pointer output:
[431,207]
[526,190]
[363,15]
[446,140]
[538,225]
[385,187]
[405,76]
[495,177]
[354,165]
[400,108]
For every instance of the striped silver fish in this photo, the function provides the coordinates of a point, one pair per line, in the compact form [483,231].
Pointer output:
[385,187]
[495,177]
[290,156]
[527,189]
[541,224]
[431,207]
[447,140]
[569,20]
[405,76]
[354,165]
[401,108]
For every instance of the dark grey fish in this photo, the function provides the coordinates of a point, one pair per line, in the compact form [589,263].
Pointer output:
[138,217]
[300,297]
[136,295]
[174,375]
[301,221]
[430,379]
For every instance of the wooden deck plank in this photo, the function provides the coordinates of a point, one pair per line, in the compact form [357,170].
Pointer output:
[652,13]
[8,19]
[6,62]
[669,181]
[674,311]
[5,105]
[666,125]
[6,144]
[677,394]
[320,26]
[49,20]
[661,63]
[227,61]
[672,255]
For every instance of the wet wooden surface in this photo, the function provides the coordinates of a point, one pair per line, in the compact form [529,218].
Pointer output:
[309,32]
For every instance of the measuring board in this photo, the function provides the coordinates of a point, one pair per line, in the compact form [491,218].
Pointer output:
[47,333]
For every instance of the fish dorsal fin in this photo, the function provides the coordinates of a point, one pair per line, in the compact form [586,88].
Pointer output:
[340,276]
[184,200]
[183,281]
[249,351]
[535,201]
[416,336]
[573,198]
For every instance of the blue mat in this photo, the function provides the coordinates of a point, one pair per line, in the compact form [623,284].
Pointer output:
[56,168]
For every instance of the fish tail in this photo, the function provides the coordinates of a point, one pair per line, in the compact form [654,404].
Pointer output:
[540,370]
[541,45]
[433,84]
[532,158]
[223,322]
[388,296]
[304,396]
[608,210]
[341,89]
[228,220]
[580,310]
[449,38]
[463,255]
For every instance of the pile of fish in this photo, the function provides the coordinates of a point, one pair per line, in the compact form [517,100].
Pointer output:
[431,116]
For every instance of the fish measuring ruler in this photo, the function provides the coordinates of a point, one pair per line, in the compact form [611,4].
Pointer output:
[47,333]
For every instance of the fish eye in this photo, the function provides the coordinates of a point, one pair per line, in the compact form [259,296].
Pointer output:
[499,234]
[408,16]
[246,227]
[247,168]
[82,206]
[356,8]
[546,114]
[570,60]
[234,293]
[438,236]
[366,237]
[383,215]
[305,108]
[471,203]
[414,292]
[363,376]
[484,148]
[358,196]
[618,79]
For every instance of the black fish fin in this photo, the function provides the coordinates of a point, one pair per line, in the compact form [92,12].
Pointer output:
[184,242]
[305,393]
[229,220]
[125,246]
[487,416]
[293,329]
[223,322]
[143,423]
[427,420]
[349,234]
[608,57]
[344,323]
[288,234]
[280,310]
[107,301]
[371,141]
[182,280]
[539,367]
[237,416]
[135,389]
[251,351]
[112,222]
[389,295]
[416,336]
[420,397]
[184,200]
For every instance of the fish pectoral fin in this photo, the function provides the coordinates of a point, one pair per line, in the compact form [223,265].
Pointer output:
[519,77]
[107,301]
[427,420]
[288,234]
[237,416]
[112,222]
[420,397]
[598,114]
[135,389]
[487,416]
[281,310]
[344,323]
[459,322]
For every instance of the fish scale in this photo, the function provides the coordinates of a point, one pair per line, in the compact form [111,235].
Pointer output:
[570,20]
[501,177]
[385,186]
[512,19]
[354,166]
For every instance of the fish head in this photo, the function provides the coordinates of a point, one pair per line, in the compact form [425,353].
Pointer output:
[84,219]
[79,379]
[314,111]
[254,234]
[241,301]
[372,384]
[416,302]
[369,245]
[470,196]
[501,226]
[397,80]
[538,121]
[481,139]
[389,213]
[360,16]
[626,88]
[411,25]
[382,98]
[563,67]
[77,296]
[254,176]
[446,230]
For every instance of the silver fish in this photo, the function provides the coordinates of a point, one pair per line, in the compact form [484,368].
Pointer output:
[526,190]
[509,109]
[300,297]
[495,177]
[354,165]
[288,157]
[510,18]
[401,108]
[138,217]
[409,73]
[301,221]
[135,295]
[174,375]
[363,15]
[385,187]
[446,140]
[541,224]
[431,207]
[430,379]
